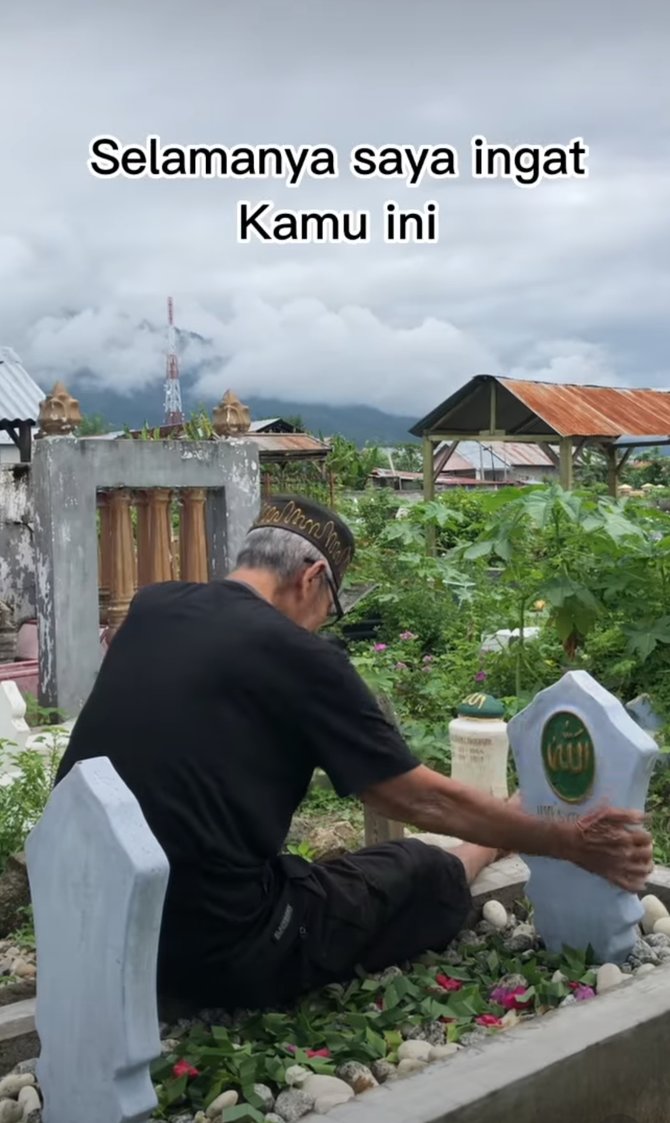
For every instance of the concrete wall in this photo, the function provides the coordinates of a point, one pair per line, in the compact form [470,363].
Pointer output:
[603,1061]
[66,475]
[17,571]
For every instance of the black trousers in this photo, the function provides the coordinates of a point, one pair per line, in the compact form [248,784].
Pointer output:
[374,908]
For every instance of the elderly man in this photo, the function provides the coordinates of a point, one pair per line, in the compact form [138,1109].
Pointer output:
[215,703]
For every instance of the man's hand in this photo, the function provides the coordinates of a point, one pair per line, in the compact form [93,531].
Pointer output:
[610,842]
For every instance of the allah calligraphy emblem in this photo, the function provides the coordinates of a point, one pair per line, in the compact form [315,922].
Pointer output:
[569,757]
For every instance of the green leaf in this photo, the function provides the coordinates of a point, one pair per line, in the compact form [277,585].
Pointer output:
[479,550]
[174,1090]
[645,636]
[242,1111]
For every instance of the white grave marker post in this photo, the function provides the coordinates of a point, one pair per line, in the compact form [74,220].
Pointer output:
[13,725]
[98,879]
[575,748]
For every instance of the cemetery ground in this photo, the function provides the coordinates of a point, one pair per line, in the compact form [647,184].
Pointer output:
[585,582]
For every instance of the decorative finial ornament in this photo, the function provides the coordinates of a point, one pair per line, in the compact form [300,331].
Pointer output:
[59,413]
[231,416]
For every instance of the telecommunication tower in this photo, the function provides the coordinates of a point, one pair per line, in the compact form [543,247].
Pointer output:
[174,414]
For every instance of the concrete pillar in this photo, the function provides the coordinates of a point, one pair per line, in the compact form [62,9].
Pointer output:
[104,555]
[122,568]
[193,535]
[66,475]
[161,563]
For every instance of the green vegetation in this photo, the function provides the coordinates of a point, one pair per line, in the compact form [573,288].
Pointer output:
[477,985]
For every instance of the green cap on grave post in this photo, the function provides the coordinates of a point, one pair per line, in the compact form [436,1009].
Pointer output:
[483,706]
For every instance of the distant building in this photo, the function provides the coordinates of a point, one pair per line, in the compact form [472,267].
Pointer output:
[499,461]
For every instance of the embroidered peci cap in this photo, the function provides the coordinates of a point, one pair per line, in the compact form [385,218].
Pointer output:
[327,532]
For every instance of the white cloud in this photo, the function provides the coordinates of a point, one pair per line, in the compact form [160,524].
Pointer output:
[540,282]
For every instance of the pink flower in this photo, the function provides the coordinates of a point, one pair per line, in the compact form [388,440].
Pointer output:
[448,983]
[401,666]
[480,676]
[488,1020]
[407,635]
[583,993]
[428,658]
[380,647]
[508,998]
[318,1052]
[183,1068]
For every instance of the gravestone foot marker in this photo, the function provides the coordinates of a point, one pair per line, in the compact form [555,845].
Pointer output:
[98,879]
[576,748]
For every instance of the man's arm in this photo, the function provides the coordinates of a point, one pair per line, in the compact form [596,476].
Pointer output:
[601,842]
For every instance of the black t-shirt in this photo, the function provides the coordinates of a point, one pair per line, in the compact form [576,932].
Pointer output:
[214,708]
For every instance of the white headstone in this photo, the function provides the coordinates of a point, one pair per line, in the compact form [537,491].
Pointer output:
[575,748]
[98,879]
[502,639]
[13,724]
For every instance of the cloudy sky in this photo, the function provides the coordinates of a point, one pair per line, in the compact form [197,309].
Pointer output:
[569,281]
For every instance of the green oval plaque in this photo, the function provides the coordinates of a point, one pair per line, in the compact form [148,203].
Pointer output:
[568,756]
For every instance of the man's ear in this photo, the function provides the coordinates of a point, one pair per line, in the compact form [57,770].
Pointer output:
[315,571]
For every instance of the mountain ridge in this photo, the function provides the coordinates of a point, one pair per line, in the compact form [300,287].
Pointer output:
[359,423]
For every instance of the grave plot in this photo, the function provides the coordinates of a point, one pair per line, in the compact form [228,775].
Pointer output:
[496,984]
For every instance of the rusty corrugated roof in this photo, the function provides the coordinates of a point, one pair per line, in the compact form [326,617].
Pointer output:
[297,444]
[594,411]
[519,407]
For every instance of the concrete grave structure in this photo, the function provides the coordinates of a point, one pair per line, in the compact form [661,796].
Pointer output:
[13,725]
[67,474]
[575,748]
[98,879]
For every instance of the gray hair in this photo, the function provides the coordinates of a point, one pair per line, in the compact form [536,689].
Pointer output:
[279,550]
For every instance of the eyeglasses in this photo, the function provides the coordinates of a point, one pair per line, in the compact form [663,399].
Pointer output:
[336,610]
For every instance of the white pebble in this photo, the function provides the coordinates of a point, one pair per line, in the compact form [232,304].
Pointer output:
[414,1051]
[29,1100]
[653,910]
[409,1066]
[644,969]
[22,969]
[495,913]
[295,1075]
[662,926]
[440,1052]
[11,1085]
[327,1092]
[226,1099]
[607,977]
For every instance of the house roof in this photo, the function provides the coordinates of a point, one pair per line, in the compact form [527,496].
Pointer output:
[272,447]
[529,408]
[20,396]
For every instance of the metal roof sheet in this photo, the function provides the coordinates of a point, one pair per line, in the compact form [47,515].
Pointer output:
[594,411]
[20,396]
[528,407]
[519,455]
[290,443]
[457,462]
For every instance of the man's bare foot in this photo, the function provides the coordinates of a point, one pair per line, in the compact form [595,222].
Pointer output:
[474,858]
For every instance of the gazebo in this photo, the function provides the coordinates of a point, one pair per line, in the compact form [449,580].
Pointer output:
[563,419]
